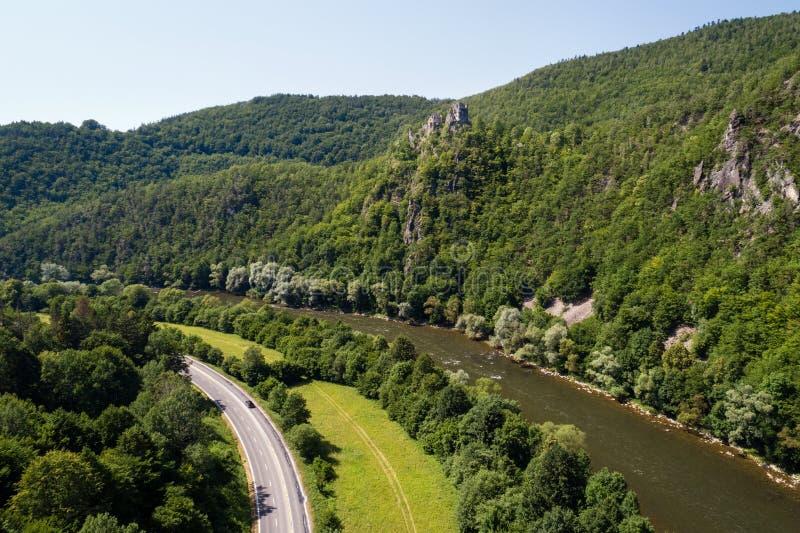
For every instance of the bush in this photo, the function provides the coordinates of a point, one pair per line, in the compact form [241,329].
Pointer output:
[326,519]
[323,472]
[473,326]
[307,441]
[294,411]
[265,387]
[138,295]
[277,397]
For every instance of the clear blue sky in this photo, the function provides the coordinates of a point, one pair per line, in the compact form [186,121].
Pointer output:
[128,63]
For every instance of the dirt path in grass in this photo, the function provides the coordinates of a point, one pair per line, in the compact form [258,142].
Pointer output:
[391,475]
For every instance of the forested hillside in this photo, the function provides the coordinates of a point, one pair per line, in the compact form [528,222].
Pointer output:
[174,230]
[674,80]
[658,180]
[55,162]
[324,130]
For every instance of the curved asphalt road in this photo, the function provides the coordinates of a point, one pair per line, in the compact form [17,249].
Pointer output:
[280,500]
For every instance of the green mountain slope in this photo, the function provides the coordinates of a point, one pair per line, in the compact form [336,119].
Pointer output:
[324,131]
[56,162]
[673,80]
[660,181]
[164,231]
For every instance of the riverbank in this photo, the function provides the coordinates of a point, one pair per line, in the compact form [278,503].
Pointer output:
[684,483]
[771,471]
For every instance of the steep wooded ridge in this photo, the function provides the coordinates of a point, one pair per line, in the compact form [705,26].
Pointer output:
[55,162]
[660,180]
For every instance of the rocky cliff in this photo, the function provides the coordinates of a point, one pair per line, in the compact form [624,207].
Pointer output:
[736,180]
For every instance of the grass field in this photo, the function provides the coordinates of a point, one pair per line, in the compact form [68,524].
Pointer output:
[385,481]
[230,344]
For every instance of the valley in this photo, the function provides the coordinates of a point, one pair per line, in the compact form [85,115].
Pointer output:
[456,311]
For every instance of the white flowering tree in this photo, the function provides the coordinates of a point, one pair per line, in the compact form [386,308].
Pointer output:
[53,271]
[509,333]
[747,412]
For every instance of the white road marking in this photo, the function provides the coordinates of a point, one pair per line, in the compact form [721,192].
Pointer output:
[249,462]
[267,432]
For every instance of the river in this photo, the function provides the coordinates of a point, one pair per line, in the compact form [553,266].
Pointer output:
[683,482]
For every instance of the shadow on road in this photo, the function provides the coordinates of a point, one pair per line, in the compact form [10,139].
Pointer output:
[262,496]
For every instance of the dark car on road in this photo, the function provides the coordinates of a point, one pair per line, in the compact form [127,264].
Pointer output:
[250,404]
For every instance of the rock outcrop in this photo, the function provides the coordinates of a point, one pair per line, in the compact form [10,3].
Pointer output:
[698,173]
[794,126]
[782,183]
[734,179]
[730,140]
[434,121]
[412,231]
[683,335]
[571,313]
[457,116]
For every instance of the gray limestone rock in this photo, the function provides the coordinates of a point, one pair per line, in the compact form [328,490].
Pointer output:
[434,121]
[457,116]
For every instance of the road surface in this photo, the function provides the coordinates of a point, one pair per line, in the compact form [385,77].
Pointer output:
[280,499]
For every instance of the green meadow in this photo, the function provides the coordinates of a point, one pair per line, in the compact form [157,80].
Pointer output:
[227,342]
[385,482]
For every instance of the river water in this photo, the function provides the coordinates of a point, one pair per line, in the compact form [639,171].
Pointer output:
[683,482]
